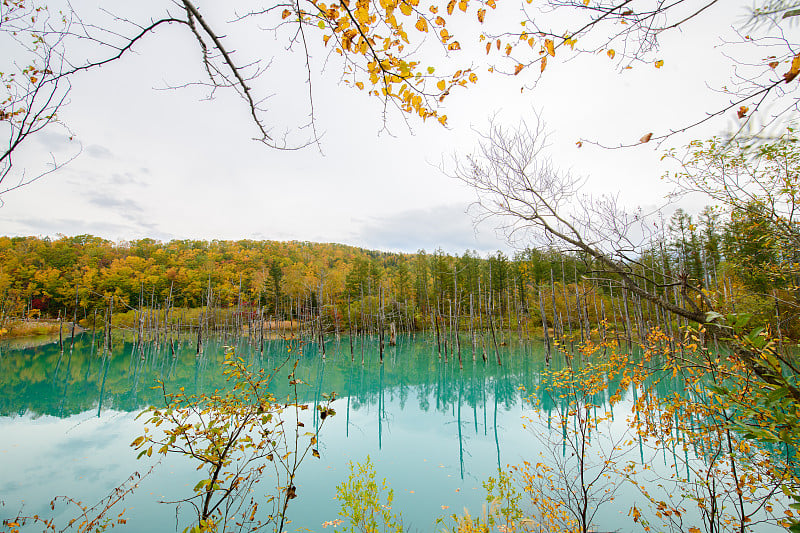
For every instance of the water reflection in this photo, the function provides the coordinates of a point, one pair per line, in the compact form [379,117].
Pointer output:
[44,380]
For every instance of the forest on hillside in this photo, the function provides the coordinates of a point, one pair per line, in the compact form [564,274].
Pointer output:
[730,255]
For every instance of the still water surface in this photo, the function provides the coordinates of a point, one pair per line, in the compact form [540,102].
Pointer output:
[435,431]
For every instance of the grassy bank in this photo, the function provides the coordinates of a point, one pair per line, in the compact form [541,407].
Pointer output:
[32,327]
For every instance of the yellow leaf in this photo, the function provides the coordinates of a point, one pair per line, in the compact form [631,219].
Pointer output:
[544,64]
[491,3]
[440,85]
[360,85]
[422,25]
[611,53]
[548,45]
[646,138]
[508,49]
[742,111]
[443,121]
[578,144]
[285,13]
[454,46]
[481,15]
[430,70]
[659,63]
[488,47]
[405,9]
[518,68]
[462,5]
[794,70]
[440,21]
[450,6]
[473,78]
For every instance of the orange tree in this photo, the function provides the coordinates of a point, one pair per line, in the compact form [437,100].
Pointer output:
[691,407]
[689,413]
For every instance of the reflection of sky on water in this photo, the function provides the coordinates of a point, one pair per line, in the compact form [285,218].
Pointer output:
[80,455]
[85,456]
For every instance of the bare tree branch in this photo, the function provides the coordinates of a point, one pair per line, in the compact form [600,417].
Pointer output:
[517,185]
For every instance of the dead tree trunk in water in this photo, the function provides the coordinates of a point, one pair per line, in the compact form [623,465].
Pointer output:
[436,326]
[490,316]
[558,326]
[320,308]
[480,319]
[380,321]
[60,333]
[74,319]
[110,320]
[362,323]
[457,325]
[350,328]
[472,324]
[544,325]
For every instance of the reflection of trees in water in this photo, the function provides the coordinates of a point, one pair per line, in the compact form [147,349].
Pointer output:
[44,380]
[434,385]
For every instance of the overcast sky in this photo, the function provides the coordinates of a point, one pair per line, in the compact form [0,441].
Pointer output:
[170,164]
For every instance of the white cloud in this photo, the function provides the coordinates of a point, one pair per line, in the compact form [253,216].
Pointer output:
[448,226]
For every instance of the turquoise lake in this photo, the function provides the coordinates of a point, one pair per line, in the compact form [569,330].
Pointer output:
[435,430]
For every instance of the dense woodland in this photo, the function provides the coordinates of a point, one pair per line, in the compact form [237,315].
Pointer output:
[347,287]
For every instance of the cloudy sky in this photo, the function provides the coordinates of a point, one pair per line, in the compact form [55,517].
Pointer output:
[173,164]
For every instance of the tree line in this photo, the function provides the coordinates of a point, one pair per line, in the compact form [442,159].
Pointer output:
[74,276]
